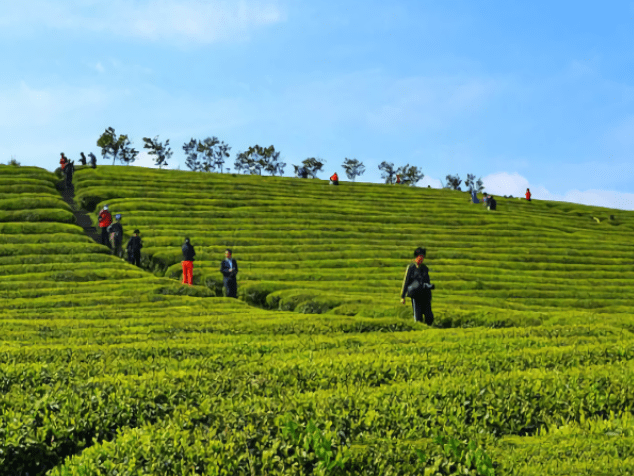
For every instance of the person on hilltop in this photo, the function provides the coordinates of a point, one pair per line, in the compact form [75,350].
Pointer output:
[82,160]
[115,231]
[474,197]
[528,194]
[417,286]
[229,270]
[485,199]
[398,179]
[491,203]
[93,160]
[105,220]
[334,179]
[63,160]
[188,262]
[134,249]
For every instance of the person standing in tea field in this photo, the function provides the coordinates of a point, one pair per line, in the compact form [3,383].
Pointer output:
[528,195]
[134,249]
[105,220]
[229,270]
[188,262]
[82,160]
[474,197]
[417,286]
[93,160]
[116,235]
[491,203]
[334,179]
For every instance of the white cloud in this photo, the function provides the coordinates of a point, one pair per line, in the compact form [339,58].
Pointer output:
[185,21]
[29,106]
[144,159]
[503,183]
[435,183]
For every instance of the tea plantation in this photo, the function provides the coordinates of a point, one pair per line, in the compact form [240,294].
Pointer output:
[108,369]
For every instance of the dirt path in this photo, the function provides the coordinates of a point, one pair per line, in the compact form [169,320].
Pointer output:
[83,219]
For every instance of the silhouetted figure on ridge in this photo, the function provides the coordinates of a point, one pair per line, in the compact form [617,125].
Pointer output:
[93,160]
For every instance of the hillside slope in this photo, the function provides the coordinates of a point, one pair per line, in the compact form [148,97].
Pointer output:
[307,246]
[108,369]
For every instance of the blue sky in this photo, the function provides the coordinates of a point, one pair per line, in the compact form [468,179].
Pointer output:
[523,94]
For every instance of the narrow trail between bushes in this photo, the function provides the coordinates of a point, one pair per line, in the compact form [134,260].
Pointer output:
[82,217]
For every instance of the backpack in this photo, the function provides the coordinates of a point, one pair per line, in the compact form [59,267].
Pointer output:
[416,288]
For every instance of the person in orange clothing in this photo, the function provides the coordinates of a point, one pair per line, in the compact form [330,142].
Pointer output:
[398,179]
[528,194]
[334,179]
[188,262]
[63,160]
[105,220]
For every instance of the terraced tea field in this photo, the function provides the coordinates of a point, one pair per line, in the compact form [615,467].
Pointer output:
[317,368]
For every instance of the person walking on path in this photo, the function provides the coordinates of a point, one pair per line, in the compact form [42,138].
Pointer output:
[188,262]
[105,220]
[528,194]
[417,286]
[82,160]
[68,172]
[229,270]
[93,160]
[115,232]
[134,249]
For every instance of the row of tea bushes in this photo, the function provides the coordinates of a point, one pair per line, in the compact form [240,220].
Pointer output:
[107,369]
[357,239]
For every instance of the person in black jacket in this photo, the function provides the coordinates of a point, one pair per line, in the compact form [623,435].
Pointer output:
[229,270]
[188,262]
[93,160]
[134,249]
[421,300]
[491,203]
[82,160]
[68,172]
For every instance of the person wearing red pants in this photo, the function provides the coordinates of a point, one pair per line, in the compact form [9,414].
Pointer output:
[188,262]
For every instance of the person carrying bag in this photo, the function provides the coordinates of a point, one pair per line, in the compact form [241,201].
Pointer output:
[417,286]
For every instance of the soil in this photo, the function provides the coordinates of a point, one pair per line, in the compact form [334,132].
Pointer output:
[82,217]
